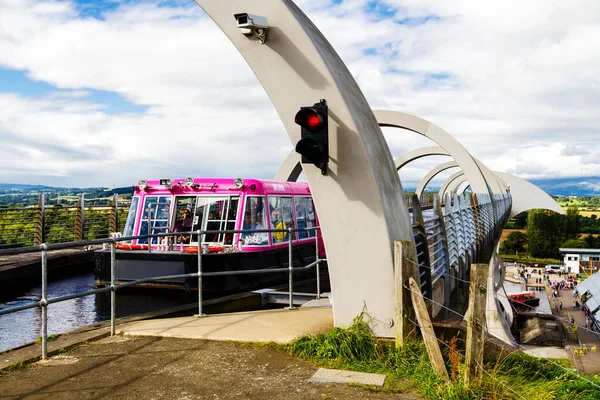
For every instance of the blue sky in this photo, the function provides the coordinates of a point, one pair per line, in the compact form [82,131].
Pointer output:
[102,92]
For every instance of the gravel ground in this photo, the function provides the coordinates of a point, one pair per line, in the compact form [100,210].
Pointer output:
[125,367]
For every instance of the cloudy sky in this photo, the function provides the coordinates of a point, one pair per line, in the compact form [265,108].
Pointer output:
[104,93]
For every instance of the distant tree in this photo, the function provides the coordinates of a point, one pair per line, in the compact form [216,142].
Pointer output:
[545,233]
[515,242]
[575,244]
[591,241]
[572,223]
[521,220]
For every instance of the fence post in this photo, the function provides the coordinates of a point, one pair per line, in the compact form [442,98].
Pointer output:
[44,302]
[291,282]
[444,245]
[113,218]
[39,235]
[475,322]
[433,348]
[405,267]
[79,219]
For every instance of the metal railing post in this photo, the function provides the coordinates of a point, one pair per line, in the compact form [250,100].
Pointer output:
[44,302]
[200,313]
[317,265]
[113,289]
[290,256]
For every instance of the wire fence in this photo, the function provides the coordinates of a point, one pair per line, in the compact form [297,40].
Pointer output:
[89,219]
[516,344]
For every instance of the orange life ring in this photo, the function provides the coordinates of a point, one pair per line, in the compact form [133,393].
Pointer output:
[127,246]
[212,248]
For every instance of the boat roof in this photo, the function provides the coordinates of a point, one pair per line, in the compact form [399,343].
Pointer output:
[192,185]
[516,293]
[579,251]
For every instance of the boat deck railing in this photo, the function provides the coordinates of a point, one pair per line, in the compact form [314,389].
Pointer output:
[113,287]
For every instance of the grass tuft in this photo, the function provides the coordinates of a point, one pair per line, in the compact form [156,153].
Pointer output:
[515,376]
[50,338]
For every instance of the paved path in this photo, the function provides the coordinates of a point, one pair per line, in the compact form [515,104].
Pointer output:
[127,367]
[278,325]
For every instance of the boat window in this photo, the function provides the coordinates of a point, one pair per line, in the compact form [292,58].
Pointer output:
[305,216]
[215,214]
[254,218]
[281,216]
[131,215]
[183,218]
[156,215]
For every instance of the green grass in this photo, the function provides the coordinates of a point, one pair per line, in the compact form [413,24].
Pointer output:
[530,260]
[49,338]
[13,367]
[514,376]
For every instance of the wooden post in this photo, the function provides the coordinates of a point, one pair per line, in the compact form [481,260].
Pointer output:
[38,225]
[405,266]
[476,322]
[433,348]
[78,228]
[113,216]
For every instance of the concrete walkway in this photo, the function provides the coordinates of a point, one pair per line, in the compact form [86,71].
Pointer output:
[280,325]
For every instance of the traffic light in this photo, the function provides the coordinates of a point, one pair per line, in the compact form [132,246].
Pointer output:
[314,139]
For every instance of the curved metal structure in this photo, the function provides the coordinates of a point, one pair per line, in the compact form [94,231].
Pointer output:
[361,197]
[527,196]
[444,140]
[360,201]
[431,174]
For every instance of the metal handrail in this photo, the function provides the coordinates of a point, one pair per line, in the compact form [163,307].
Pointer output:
[45,301]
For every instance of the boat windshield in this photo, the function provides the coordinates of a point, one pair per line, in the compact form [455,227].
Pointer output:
[215,214]
[156,215]
[130,222]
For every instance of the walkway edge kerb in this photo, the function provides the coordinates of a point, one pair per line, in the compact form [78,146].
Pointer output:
[31,352]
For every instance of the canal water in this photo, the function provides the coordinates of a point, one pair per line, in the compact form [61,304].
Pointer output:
[25,326]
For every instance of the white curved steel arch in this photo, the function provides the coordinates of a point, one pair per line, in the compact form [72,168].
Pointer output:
[290,169]
[432,174]
[425,128]
[447,182]
[421,152]
[436,150]
[454,185]
[297,67]
[525,195]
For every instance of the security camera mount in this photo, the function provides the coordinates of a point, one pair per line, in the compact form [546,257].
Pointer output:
[252,25]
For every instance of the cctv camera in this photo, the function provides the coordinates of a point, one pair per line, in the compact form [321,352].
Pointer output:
[251,21]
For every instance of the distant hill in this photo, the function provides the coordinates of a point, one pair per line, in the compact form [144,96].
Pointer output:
[24,195]
[582,186]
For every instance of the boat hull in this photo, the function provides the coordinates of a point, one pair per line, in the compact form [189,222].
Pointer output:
[528,302]
[132,265]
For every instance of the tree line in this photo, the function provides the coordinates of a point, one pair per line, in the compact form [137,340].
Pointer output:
[547,231]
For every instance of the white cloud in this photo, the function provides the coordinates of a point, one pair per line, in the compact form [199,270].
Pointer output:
[517,83]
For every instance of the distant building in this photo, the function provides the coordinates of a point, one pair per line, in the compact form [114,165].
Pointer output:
[590,296]
[581,259]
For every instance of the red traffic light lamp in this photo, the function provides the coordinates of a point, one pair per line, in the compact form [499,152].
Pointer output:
[314,142]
